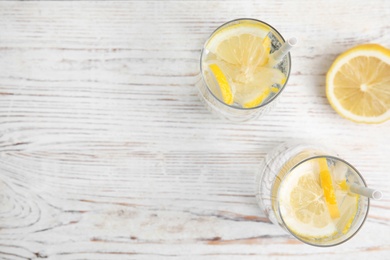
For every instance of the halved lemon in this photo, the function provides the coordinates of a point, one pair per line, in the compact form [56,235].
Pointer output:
[241,52]
[358,84]
[302,205]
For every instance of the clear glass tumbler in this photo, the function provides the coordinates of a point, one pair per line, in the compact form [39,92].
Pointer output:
[284,193]
[234,112]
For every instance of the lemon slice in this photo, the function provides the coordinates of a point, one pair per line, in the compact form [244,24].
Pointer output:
[327,187]
[247,50]
[223,84]
[258,100]
[358,84]
[302,206]
[252,29]
[347,211]
[343,185]
[242,52]
[250,90]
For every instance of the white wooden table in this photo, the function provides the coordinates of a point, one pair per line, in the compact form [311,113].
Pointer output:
[106,151]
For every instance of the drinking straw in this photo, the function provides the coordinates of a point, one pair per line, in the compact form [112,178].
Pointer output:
[367,192]
[284,49]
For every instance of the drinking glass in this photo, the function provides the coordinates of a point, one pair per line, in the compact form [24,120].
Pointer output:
[285,161]
[233,112]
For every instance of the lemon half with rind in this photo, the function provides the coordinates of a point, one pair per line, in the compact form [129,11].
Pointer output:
[358,84]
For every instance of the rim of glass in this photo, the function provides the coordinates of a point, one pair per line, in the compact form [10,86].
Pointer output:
[360,177]
[288,57]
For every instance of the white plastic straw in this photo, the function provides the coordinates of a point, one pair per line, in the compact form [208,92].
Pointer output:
[364,191]
[284,49]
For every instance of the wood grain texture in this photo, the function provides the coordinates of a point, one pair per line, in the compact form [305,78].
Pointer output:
[106,151]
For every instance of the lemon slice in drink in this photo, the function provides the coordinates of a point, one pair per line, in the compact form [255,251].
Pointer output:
[223,84]
[327,187]
[358,84]
[302,206]
[348,211]
[251,91]
[242,51]
[246,45]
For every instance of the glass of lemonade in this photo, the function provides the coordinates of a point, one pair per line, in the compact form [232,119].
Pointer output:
[240,80]
[304,188]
